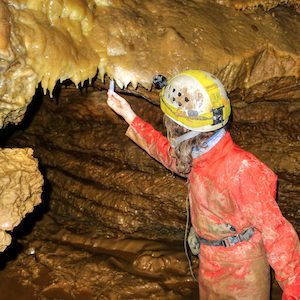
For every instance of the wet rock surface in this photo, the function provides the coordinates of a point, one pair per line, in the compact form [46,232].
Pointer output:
[98,174]
[116,219]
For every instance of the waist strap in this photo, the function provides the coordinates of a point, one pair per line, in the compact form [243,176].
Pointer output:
[231,240]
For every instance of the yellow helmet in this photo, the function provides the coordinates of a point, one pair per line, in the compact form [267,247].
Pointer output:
[196,100]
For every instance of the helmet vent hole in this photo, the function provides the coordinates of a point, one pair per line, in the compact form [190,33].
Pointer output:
[174,90]
[179,104]
[179,94]
[186,99]
[173,99]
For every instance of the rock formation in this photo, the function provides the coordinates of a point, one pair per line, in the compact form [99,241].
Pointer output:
[116,221]
[20,189]
[20,179]
[46,41]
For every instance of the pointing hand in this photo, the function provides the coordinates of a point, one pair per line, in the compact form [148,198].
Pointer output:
[120,106]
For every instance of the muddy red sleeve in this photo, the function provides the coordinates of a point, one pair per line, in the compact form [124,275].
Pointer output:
[153,142]
[256,192]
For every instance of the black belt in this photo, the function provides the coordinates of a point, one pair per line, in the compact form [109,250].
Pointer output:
[230,240]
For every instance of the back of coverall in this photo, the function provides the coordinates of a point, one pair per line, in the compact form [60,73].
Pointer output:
[230,190]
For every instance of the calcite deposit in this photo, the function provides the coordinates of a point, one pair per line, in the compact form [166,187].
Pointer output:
[131,41]
[20,189]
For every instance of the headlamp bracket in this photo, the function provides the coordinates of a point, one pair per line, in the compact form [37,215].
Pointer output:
[218,115]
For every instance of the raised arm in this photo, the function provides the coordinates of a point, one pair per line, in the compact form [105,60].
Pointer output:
[142,133]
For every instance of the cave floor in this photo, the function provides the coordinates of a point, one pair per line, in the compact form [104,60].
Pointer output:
[30,273]
[12,289]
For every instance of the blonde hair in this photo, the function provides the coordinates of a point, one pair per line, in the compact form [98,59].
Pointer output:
[183,152]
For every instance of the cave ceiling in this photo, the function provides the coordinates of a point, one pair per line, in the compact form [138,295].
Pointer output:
[248,45]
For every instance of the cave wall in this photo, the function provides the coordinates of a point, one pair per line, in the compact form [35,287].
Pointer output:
[97,175]
[111,206]
[81,144]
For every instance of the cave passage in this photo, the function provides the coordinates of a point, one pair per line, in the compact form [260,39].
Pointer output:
[112,219]
[111,222]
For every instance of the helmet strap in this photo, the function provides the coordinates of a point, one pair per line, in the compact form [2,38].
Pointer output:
[189,135]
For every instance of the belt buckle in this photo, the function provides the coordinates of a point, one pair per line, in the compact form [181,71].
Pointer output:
[229,241]
[225,243]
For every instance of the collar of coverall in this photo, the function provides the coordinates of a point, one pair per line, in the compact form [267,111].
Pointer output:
[209,143]
[205,146]
[220,150]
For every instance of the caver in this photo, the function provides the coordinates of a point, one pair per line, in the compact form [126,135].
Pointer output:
[237,226]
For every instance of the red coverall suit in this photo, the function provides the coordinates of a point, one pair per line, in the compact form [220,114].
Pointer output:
[230,190]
